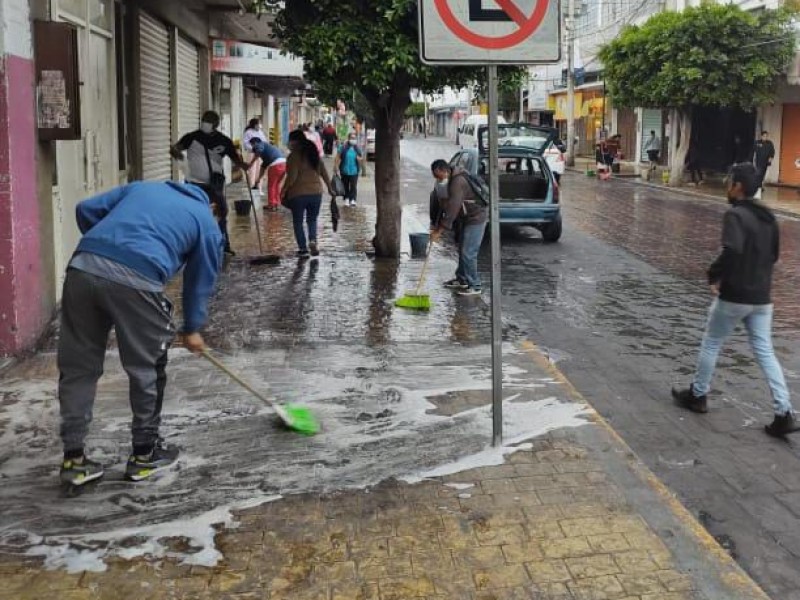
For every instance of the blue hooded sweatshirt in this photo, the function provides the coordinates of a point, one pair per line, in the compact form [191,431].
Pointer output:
[266,152]
[155,229]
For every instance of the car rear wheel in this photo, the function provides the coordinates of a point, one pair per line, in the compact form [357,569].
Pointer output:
[552,231]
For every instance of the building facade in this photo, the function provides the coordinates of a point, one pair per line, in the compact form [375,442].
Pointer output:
[92,94]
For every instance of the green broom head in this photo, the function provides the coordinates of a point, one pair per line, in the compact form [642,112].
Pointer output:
[300,419]
[414,302]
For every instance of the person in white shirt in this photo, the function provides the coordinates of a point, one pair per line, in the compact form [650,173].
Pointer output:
[253,131]
[653,149]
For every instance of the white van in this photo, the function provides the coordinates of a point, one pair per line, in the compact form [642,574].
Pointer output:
[468,133]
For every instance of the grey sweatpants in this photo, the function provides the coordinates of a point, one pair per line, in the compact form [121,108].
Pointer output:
[90,306]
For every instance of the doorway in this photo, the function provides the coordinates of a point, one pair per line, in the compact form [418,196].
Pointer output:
[87,166]
[790,145]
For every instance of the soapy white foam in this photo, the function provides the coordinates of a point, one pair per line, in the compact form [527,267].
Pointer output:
[199,531]
[460,486]
[216,423]
[521,421]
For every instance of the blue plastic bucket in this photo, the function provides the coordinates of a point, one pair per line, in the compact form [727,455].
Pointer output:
[419,244]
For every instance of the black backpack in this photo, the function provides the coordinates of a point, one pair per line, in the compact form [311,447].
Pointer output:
[479,188]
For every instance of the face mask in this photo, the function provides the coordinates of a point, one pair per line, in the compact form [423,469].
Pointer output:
[206,127]
[351,142]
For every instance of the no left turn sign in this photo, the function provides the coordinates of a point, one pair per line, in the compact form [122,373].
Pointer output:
[489,31]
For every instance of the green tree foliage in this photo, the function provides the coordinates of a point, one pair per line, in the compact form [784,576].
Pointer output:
[712,55]
[371,45]
[416,110]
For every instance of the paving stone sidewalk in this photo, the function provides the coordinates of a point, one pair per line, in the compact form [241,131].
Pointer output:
[569,514]
[782,199]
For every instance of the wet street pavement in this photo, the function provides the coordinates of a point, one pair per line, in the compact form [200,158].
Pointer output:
[398,497]
[620,305]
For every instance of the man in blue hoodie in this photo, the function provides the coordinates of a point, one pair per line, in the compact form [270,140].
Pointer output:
[135,239]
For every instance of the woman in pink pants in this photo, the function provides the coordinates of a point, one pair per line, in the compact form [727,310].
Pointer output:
[273,163]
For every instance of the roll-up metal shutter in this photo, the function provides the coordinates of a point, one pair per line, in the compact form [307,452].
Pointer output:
[154,90]
[651,121]
[188,81]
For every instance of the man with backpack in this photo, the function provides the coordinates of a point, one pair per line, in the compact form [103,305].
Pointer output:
[465,205]
[348,163]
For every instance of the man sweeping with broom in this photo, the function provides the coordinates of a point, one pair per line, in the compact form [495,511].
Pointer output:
[463,206]
[135,239]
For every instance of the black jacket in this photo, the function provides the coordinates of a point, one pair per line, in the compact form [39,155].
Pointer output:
[764,153]
[750,249]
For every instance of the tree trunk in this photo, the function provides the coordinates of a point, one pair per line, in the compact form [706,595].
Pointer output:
[680,147]
[389,117]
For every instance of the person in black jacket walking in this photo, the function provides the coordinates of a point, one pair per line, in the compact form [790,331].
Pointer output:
[741,278]
[762,157]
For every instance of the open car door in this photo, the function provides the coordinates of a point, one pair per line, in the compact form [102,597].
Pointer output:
[523,135]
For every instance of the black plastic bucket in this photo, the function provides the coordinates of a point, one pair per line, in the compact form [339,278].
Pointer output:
[242,207]
[419,244]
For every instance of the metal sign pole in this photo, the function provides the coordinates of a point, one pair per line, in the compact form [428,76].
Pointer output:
[457,32]
[494,221]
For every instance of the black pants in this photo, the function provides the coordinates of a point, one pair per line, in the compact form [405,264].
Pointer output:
[217,196]
[350,187]
[90,307]
[762,174]
[696,174]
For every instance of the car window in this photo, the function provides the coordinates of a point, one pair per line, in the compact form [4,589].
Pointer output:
[468,162]
[518,135]
[519,166]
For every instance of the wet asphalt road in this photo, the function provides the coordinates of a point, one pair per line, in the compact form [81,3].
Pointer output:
[620,304]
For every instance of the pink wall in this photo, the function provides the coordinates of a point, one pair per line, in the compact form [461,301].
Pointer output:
[22,314]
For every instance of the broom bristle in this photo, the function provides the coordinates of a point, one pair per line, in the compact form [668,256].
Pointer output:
[418,302]
[301,419]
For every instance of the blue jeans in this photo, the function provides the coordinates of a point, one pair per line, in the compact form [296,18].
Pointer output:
[305,207]
[723,317]
[468,248]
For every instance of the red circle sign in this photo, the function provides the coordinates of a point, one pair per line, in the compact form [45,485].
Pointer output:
[527,25]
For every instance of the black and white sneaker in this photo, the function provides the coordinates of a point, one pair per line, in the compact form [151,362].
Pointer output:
[79,471]
[470,291]
[142,467]
[455,284]
[303,254]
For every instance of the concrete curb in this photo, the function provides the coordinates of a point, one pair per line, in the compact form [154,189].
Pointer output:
[730,573]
